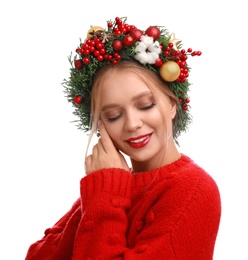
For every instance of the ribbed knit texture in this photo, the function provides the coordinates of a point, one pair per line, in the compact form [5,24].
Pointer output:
[170,213]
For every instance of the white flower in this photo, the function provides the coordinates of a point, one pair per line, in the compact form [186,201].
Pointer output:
[147,51]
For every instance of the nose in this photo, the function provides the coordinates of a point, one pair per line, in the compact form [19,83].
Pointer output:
[133,121]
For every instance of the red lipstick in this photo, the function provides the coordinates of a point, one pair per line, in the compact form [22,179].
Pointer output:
[139,141]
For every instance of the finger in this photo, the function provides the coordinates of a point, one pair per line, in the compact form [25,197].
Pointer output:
[88,164]
[95,150]
[101,146]
[105,139]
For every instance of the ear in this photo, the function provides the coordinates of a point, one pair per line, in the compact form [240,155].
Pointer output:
[173,109]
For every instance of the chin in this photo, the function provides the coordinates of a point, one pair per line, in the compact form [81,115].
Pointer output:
[142,157]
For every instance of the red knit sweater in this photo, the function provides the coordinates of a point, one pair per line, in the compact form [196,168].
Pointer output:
[169,213]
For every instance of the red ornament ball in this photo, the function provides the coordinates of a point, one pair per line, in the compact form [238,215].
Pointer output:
[153,32]
[78,64]
[128,40]
[117,45]
[77,100]
[136,34]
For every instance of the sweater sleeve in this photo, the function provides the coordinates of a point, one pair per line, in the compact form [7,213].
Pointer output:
[102,230]
[57,242]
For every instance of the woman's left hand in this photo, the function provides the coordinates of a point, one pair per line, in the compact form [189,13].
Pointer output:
[104,154]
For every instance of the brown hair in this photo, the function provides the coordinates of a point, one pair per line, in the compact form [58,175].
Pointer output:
[150,78]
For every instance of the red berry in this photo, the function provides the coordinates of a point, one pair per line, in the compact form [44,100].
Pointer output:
[185,107]
[158,62]
[118,20]
[78,64]
[102,51]
[136,34]
[86,52]
[100,57]
[99,45]
[117,45]
[96,53]
[77,100]
[91,48]
[127,27]
[166,53]
[86,60]
[153,32]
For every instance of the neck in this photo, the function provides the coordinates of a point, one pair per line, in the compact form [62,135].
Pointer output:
[169,155]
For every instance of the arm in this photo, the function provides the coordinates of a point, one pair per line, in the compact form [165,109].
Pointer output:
[102,230]
[58,240]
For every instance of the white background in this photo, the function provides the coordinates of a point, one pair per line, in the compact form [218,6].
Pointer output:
[42,152]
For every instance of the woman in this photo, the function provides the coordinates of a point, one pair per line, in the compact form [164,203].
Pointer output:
[163,206]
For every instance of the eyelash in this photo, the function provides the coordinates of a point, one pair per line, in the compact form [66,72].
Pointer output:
[149,107]
[143,108]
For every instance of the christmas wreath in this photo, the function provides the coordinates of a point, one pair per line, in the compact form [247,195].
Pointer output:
[154,48]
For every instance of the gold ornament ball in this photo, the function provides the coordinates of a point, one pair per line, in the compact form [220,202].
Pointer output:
[93,29]
[169,71]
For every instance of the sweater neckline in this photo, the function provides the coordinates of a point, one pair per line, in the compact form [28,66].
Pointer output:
[164,172]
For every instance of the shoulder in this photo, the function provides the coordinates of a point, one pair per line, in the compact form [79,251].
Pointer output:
[198,188]
[195,173]
[186,170]
[187,181]
[191,192]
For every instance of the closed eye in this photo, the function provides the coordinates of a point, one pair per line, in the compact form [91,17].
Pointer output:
[111,119]
[148,107]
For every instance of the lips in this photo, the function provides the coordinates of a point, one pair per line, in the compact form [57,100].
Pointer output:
[139,141]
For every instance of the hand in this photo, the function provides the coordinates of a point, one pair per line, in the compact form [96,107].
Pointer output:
[104,154]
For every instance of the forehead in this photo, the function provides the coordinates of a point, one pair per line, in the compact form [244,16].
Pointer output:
[121,84]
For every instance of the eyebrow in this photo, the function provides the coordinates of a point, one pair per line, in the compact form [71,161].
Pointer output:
[137,97]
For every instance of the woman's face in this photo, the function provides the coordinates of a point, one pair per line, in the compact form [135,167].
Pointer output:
[138,125]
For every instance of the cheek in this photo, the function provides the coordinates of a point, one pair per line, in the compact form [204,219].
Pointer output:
[156,118]
[113,131]
[162,121]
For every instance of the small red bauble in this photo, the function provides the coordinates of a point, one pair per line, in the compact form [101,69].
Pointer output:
[77,100]
[128,40]
[136,34]
[158,62]
[153,32]
[117,45]
[78,64]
